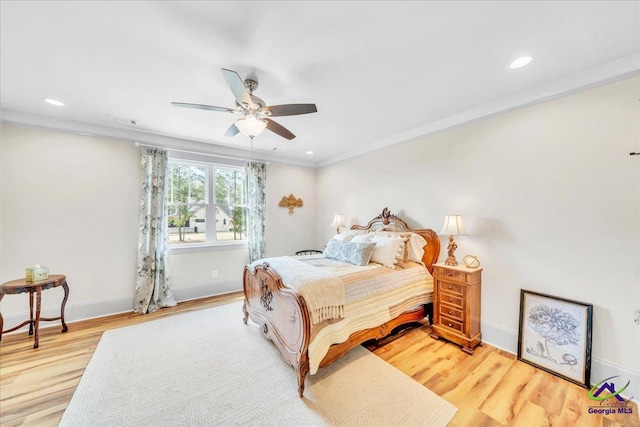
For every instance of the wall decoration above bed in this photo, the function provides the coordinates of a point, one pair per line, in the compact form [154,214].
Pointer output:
[555,335]
[290,202]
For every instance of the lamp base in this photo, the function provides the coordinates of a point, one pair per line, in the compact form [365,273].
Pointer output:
[451,260]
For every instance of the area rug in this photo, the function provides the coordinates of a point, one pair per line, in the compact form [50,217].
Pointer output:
[208,368]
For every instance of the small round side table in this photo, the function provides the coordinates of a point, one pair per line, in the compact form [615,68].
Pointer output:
[20,286]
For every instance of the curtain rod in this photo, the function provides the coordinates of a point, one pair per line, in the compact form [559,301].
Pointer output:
[200,153]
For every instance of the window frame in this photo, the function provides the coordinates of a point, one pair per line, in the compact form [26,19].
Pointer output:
[210,205]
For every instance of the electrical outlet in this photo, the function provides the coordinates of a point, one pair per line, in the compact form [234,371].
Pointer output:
[637,318]
[214,274]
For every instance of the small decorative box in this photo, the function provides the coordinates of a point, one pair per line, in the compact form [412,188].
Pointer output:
[36,273]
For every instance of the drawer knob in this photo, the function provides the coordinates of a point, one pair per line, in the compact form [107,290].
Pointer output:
[450,287]
[450,312]
[450,325]
[450,299]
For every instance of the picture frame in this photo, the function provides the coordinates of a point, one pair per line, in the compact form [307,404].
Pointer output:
[555,334]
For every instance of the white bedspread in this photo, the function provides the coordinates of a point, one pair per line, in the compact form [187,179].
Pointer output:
[322,290]
[359,297]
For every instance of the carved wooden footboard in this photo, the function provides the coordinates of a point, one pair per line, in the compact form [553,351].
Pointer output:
[281,313]
[283,316]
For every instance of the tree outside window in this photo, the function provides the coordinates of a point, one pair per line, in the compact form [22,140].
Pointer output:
[231,205]
[200,195]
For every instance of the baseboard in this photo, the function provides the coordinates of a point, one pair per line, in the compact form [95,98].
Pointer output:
[219,287]
[85,311]
[507,340]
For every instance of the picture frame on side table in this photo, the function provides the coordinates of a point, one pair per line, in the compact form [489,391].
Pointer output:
[554,335]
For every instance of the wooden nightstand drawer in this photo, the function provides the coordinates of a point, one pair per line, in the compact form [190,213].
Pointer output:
[452,287]
[451,299]
[451,312]
[451,323]
[449,274]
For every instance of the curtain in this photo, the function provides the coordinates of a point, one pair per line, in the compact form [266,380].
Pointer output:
[153,281]
[256,204]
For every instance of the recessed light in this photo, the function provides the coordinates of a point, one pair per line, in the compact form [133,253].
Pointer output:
[53,102]
[309,152]
[520,62]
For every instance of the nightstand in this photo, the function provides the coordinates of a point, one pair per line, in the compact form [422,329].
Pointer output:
[456,305]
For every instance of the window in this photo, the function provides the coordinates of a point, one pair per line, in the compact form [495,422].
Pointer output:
[207,203]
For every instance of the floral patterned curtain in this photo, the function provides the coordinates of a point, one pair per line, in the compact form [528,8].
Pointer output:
[256,189]
[153,281]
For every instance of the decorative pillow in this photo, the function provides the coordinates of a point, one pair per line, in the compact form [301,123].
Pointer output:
[332,249]
[343,237]
[402,256]
[388,250]
[357,232]
[351,252]
[361,238]
[415,248]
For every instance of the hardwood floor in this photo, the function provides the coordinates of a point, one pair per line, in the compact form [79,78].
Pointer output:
[490,388]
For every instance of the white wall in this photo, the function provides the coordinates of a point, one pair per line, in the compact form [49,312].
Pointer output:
[70,202]
[550,198]
[287,233]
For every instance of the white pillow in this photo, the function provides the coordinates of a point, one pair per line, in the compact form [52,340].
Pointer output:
[361,238]
[402,255]
[343,237]
[415,248]
[387,250]
[357,232]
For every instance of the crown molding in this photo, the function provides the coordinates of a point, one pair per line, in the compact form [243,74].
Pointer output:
[170,143]
[620,69]
[606,73]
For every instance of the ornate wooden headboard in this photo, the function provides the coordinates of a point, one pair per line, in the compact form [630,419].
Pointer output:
[389,222]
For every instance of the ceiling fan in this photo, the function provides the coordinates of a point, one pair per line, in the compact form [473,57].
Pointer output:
[253,109]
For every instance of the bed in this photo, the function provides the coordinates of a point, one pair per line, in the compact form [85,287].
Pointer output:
[282,294]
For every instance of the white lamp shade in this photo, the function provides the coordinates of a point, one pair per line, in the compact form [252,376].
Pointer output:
[453,226]
[250,126]
[338,221]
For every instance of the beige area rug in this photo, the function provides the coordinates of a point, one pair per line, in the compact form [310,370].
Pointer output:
[207,368]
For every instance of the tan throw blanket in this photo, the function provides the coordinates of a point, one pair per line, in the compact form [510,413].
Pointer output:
[322,290]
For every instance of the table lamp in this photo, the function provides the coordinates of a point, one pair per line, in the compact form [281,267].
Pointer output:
[452,227]
[338,221]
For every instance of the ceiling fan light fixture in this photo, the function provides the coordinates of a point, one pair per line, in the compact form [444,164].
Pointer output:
[253,109]
[251,126]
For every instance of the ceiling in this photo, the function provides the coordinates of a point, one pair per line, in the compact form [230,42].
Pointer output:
[380,73]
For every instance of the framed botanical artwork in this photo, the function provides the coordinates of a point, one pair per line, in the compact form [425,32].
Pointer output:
[555,335]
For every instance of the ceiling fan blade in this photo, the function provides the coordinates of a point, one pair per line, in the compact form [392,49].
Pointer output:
[290,109]
[205,107]
[232,131]
[279,129]
[237,87]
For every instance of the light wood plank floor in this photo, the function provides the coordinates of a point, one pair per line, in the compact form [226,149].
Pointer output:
[490,388]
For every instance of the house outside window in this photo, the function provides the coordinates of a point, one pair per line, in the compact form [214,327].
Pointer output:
[204,194]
